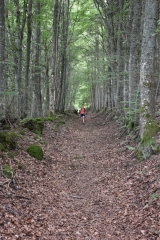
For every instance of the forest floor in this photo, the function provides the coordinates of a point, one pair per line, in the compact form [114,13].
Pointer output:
[89,186]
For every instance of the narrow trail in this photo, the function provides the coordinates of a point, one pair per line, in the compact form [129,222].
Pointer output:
[97,198]
[88,188]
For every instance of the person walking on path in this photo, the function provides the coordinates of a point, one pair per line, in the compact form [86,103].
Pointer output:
[82,112]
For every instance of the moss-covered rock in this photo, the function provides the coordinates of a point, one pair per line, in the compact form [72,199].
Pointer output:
[7,171]
[35,151]
[35,125]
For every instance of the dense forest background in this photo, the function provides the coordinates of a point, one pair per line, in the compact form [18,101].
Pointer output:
[59,54]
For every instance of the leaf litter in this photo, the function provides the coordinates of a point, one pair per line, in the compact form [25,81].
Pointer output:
[87,187]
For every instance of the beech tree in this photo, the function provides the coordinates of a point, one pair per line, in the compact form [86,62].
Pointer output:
[134,59]
[2,61]
[36,69]
[28,55]
[54,82]
[148,126]
[20,24]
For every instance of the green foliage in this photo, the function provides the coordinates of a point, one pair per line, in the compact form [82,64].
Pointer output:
[154,196]
[157,31]
[60,119]
[6,127]
[130,117]
[62,122]
[158,149]
[22,132]
[51,116]
[7,171]
[144,152]
[40,139]
[130,148]
[139,155]
[2,148]
[35,151]
[34,124]
[157,113]
[9,140]
[146,145]
[11,155]
[50,119]
[150,130]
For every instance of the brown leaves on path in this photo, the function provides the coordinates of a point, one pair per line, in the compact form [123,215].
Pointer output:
[88,187]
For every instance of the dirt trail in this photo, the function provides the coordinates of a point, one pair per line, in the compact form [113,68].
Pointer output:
[89,188]
[97,197]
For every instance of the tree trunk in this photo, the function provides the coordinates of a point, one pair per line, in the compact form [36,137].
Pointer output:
[54,83]
[36,76]
[127,42]
[147,78]
[2,60]
[28,53]
[134,60]
[20,20]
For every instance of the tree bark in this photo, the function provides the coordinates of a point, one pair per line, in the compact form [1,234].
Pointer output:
[36,76]
[134,60]
[28,58]
[147,76]
[63,55]
[20,20]
[55,73]
[2,60]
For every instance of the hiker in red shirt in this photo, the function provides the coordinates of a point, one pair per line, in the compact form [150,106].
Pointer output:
[82,112]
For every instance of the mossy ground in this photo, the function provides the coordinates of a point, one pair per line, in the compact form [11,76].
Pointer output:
[8,140]
[35,125]
[7,171]
[35,151]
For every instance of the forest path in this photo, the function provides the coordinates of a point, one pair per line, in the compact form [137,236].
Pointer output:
[100,196]
[89,187]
